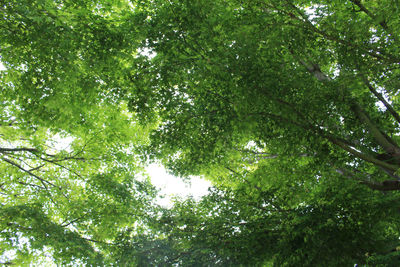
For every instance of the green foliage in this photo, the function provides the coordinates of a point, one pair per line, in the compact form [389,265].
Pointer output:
[71,177]
[291,96]
[289,107]
[230,73]
[335,226]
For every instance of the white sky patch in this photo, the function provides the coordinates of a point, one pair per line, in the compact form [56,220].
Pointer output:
[2,67]
[146,52]
[59,142]
[171,186]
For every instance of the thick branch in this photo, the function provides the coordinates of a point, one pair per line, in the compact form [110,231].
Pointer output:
[380,138]
[315,70]
[362,155]
[366,11]
[341,143]
[388,185]
[383,100]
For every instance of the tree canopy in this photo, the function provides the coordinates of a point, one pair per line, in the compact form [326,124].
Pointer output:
[290,108]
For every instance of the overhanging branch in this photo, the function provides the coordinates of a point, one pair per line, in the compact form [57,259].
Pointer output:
[383,100]
[380,138]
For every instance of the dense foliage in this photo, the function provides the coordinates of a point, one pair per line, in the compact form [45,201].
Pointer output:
[289,107]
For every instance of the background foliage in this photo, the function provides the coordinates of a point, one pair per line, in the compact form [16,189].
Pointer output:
[289,107]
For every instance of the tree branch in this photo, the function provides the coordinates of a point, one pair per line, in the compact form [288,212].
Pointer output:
[380,138]
[362,156]
[240,175]
[28,172]
[71,222]
[18,149]
[388,185]
[372,16]
[378,54]
[383,100]
[55,162]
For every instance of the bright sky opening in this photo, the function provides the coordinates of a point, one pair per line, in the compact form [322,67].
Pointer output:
[171,186]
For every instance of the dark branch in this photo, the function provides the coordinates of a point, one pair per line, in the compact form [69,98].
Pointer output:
[366,11]
[388,185]
[28,172]
[18,149]
[379,137]
[362,156]
[383,100]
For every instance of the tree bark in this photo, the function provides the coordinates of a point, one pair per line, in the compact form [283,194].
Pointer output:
[388,185]
[379,137]
[383,100]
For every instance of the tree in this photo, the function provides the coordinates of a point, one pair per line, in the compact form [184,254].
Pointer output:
[332,226]
[71,179]
[294,78]
[71,196]
[289,95]
[289,102]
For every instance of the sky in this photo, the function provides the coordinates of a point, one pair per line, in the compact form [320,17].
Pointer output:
[170,185]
